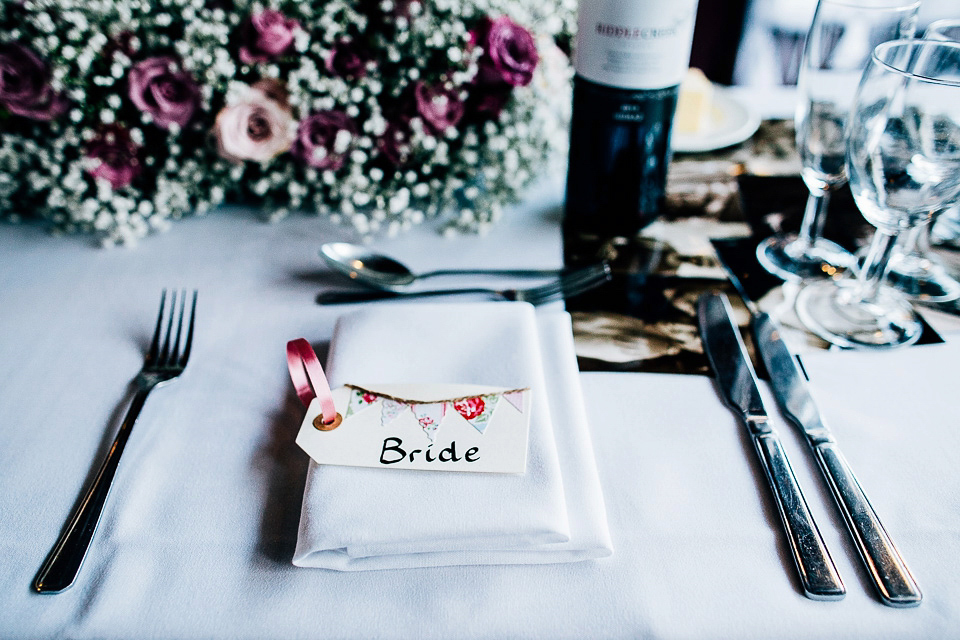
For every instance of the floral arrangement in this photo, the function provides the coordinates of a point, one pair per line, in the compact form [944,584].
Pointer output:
[118,116]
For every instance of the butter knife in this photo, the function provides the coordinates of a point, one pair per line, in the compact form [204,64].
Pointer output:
[738,383]
[890,574]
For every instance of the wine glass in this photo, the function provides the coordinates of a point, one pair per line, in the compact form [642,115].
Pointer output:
[946,29]
[913,269]
[903,159]
[839,43]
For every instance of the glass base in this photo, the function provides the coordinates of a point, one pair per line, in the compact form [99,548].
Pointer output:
[789,259]
[922,279]
[834,311]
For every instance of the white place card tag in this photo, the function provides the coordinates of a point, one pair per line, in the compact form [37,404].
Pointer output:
[433,427]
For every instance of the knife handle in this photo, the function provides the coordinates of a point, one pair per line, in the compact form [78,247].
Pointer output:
[889,572]
[818,574]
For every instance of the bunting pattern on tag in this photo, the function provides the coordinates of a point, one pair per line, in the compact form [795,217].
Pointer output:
[515,398]
[360,399]
[429,416]
[389,411]
[476,410]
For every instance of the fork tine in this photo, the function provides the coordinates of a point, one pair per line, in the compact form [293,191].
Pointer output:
[542,294]
[539,295]
[575,279]
[545,295]
[597,278]
[165,351]
[588,274]
[154,351]
[569,285]
[175,355]
[189,339]
[552,290]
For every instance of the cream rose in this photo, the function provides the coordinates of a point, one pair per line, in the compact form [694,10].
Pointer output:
[259,127]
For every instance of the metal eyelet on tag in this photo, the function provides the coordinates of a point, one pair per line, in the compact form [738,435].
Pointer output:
[311,383]
[320,425]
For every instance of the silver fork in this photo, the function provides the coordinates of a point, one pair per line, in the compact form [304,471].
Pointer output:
[164,362]
[566,286]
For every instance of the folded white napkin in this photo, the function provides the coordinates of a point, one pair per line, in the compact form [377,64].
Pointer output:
[360,518]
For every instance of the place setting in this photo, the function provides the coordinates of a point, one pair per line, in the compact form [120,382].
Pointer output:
[392,280]
[476,320]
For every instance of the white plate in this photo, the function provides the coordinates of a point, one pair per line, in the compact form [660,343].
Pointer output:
[732,122]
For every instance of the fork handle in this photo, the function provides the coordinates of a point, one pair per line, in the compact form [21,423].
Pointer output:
[63,564]
[344,297]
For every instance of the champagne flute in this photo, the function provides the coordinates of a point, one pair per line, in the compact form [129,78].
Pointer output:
[839,43]
[903,159]
[913,269]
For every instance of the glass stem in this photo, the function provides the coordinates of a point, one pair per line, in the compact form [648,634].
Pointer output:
[875,267]
[814,217]
[911,241]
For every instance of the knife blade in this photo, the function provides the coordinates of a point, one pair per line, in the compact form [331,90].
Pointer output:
[738,383]
[890,574]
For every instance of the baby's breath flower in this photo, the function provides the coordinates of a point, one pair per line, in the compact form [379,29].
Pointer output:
[399,166]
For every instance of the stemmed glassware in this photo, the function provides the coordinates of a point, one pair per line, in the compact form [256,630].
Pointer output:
[841,38]
[913,269]
[903,159]
[946,29]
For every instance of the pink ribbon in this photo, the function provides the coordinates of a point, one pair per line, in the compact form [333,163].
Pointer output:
[308,378]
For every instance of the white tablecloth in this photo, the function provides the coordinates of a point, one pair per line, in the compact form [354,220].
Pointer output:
[200,527]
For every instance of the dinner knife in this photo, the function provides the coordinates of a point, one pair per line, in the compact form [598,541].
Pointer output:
[890,574]
[738,383]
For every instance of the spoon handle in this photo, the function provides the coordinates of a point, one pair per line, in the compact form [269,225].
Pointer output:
[345,297]
[509,273]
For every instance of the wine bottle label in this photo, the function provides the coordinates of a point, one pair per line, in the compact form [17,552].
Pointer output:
[635,44]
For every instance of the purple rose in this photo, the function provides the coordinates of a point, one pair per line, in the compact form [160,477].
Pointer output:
[347,60]
[158,87]
[324,138]
[25,84]
[440,108]
[114,157]
[509,53]
[267,34]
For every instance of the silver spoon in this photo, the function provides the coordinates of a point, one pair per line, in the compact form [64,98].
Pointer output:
[383,272]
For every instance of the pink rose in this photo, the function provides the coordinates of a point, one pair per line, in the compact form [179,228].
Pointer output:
[115,156]
[440,108]
[324,138]
[509,52]
[258,128]
[267,34]
[158,87]
[470,408]
[25,84]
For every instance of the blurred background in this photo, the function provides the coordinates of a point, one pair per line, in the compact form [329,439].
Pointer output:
[758,43]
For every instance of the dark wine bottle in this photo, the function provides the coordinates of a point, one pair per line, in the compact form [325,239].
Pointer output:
[630,58]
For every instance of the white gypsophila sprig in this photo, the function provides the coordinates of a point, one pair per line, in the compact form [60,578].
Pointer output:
[468,170]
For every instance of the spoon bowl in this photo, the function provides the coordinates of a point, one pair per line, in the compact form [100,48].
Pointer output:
[383,272]
[362,265]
